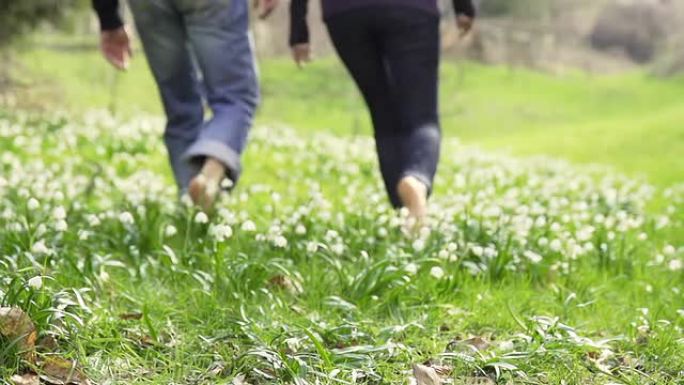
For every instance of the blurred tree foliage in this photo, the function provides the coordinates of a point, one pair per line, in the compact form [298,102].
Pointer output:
[17,17]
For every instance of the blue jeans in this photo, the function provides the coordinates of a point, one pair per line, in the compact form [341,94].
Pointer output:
[392,52]
[200,52]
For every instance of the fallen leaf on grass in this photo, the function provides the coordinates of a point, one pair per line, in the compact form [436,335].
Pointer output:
[59,371]
[426,375]
[17,326]
[134,316]
[478,343]
[286,283]
[47,344]
[26,379]
[240,379]
[443,370]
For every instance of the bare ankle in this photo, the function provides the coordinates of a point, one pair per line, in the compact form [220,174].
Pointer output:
[213,170]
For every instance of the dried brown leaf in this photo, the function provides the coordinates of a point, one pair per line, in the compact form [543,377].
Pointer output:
[60,371]
[478,343]
[17,325]
[26,379]
[426,375]
[47,344]
[133,316]
[240,379]
[442,370]
[286,283]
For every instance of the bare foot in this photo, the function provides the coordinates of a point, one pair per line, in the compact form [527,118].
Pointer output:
[413,195]
[205,187]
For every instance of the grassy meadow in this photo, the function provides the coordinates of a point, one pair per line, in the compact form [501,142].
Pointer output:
[537,267]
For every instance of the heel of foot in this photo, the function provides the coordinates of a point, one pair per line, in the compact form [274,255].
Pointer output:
[413,196]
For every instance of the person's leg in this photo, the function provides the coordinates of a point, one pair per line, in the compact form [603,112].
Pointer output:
[411,46]
[356,42]
[218,32]
[161,30]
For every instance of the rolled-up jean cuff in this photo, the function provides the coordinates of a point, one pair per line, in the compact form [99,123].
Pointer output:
[422,178]
[204,148]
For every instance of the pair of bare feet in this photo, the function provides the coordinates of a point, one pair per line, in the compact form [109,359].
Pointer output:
[206,186]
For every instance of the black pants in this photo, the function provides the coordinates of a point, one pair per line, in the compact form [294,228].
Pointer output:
[392,52]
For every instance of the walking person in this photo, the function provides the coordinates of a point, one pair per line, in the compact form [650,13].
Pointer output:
[199,51]
[392,48]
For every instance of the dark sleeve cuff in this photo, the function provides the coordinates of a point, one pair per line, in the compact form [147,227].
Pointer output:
[108,13]
[299,29]
[465,7]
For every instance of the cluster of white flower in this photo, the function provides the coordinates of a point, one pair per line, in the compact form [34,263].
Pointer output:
[489,210]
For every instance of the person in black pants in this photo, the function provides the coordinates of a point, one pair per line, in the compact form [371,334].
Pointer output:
[392,49]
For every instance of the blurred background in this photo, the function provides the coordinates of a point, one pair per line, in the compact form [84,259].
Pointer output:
[592,81]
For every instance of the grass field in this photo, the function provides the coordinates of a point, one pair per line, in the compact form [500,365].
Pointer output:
[629,121]
[535,270]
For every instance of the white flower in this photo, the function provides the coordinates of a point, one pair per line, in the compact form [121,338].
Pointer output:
[36,283]
[418,244]
[280,242]
[556,245]
[490,252]
[39,248]
[40,230]
[675,265]
[33,204]
[248,226]
[59,213]
[585,233]
[300,229]
[201,218]
[643,236]
[437,272]
[61,226]
[220,232]
[83,235]
[669,250]
[532,256]
[170,231]
[478,251]
[311,247]
[443,254]
[126,218]
[337,248]
[411,268]
[451,247]
[93,220]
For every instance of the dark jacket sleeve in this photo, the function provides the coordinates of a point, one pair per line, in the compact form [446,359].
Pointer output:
[299,29]
[464,7]
[108,13]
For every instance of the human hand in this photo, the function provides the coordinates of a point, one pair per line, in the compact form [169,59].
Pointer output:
[265,7]
[301,54]
[116,47]
[464,24]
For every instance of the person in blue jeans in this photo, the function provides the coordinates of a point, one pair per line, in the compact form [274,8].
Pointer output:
[200,54]
[392,50]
